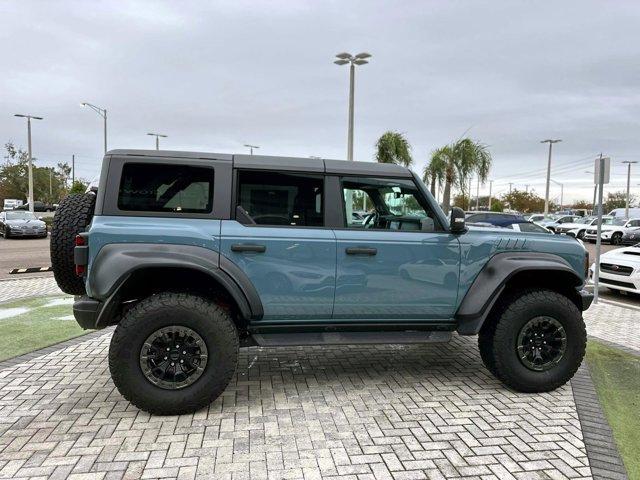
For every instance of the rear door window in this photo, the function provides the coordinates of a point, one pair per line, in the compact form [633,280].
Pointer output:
[152,187]
[287,199]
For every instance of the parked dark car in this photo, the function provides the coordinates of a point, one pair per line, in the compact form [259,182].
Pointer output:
[38,207]
[631,236]
[18,223]
[495,218]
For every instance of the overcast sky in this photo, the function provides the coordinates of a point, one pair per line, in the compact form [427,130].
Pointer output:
[216,75]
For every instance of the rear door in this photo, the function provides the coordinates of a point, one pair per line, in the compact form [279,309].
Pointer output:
[278,238]
[400,263]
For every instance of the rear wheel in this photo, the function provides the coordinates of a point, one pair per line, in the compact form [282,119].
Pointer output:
[71,218]
[537,341]
[580,234]
[173,353]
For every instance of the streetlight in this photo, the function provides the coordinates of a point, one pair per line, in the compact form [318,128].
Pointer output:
[251,147]
[157,135]
[29,117]
[344,59]
[546,196]
[561,193]
[103,113]
[626,206]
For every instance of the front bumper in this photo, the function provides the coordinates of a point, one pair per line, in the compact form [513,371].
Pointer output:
[586,298]
[27,233]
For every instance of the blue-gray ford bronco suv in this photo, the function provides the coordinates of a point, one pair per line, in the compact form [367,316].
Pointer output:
[194,255]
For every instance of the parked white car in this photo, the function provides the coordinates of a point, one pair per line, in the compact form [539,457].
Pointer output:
[620,269]
[579,227]
[612,230]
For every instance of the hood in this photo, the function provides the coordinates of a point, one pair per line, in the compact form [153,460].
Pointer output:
[575,226]
[21,222]
[630,254]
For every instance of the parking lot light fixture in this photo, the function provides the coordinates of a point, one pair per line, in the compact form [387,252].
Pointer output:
[251,147]
[546,196]
[626,205]
[103,113]
[157,135]
[345,58]
[29,118]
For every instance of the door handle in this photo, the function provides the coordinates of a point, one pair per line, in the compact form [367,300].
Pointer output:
[247,247]
[361,251]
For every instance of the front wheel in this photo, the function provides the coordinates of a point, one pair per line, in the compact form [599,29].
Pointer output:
[536,342]
[173,353]
[616,238]
[580,234]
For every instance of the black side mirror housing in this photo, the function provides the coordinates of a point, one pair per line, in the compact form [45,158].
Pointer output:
[457,221]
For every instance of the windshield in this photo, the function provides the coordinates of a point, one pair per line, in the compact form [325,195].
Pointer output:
[585,220]
[20,215]
[613,221]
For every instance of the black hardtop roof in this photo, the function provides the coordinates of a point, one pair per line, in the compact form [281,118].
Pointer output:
[265,162]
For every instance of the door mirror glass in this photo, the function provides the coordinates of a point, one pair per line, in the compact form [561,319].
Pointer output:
[457,220]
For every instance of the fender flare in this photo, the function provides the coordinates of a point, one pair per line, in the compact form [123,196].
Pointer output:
[116,262]
[492,279]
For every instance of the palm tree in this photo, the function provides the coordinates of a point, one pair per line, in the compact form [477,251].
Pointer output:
[392,147]
[434,172]
[463,158]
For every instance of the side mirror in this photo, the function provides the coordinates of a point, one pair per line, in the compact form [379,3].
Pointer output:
[457,224]
[427,224]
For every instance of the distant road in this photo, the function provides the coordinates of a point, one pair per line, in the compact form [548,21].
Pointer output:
[21,253]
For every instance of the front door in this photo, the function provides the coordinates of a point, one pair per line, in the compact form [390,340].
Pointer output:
[399,262]
[278,239]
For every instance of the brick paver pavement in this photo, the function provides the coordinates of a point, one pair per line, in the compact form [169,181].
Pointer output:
[398,412]
[366,412]
[28,287]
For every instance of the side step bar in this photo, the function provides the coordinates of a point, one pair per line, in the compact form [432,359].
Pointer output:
[347,338]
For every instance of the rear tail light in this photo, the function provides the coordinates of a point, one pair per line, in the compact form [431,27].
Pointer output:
[80,255]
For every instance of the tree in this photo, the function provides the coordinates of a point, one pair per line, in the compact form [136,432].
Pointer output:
[582,205]
[434,172]
[462,159]
[49,183]
[392,147]
[617,200]
[523,201]
[80,186]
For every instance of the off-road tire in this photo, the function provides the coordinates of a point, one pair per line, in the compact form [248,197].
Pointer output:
[72,217]
[616,238]
[214,325]
[498,340]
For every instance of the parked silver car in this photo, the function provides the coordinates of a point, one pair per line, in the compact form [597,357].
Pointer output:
[19,223]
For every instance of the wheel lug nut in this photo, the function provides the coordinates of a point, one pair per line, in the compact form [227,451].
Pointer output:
[168,349]
[184,352]
[181,361]
[165,358]
[172,364]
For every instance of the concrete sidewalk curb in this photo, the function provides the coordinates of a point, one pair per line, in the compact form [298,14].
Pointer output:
[602,450]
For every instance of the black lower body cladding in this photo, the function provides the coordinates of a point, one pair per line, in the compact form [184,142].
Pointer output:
[173,353]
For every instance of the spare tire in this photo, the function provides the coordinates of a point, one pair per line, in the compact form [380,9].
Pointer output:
[72,217]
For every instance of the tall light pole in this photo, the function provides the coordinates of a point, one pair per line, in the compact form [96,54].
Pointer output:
[352,60]
[546,195]
[251,147]
[157,135]
[478,193]
[29,117]
[103,113]
[561,193]
[626,206]
[490,186]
